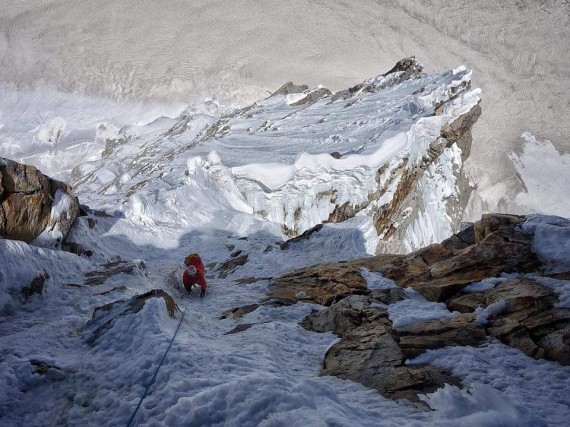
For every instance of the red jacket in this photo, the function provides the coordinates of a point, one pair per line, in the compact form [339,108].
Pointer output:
[196,261]
[189,281]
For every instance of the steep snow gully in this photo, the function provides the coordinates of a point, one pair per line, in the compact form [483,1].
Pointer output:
[302,178]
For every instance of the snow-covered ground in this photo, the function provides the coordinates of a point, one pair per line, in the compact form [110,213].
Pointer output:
[267,375]
[174,68]
[240,50]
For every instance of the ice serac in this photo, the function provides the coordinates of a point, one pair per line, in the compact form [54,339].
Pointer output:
[386,154]
[391,148]
[34,207]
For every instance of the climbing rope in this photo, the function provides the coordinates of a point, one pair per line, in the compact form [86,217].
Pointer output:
[159,365]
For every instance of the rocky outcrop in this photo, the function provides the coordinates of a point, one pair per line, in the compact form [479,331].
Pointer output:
[419,337]
[525,317]
[104,317]
[370,355]
[323,284]
[522,312]
[34,205]
[112,268]
[229,266]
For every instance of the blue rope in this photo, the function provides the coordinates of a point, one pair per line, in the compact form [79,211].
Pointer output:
[159,365]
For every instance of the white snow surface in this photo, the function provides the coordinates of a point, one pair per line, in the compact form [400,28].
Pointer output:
[517,390]
[551,241]
[491,310]
[169,190]
[545,175]
[241,49]
[415,308]
[273,159]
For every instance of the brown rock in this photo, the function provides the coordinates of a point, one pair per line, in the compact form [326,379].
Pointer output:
[557,345]
[26,198]
[461,240]
[467,303]
[530,322]
[345,316]
[370,355]
[239,312]
[105,271]
[419,337]
[521,294]
[493,222]
[230,265]
[323,284]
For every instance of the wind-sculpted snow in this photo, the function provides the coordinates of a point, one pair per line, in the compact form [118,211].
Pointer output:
[298,164]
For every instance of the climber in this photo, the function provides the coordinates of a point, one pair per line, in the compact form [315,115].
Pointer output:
[194,274]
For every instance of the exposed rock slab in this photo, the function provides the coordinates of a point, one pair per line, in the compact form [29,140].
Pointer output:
[26,200]
[529,320]
[457,331]
[371,356]
[105,271]
[227,267]
[345,316]
[323,284]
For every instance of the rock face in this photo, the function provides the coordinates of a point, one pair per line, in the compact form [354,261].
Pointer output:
[34,205]
[522,312]
[528,319]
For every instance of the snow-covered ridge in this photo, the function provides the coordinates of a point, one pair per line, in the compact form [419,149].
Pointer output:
[304,156]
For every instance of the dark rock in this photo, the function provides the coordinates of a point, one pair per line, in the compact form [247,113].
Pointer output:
[243,327]
[490,223]
[285,245]
[323,284]
[76,248]
[43,368]
[289,88]
[239,312]
[461,240]
[36,286]
[409,66]
[313,96]
[467,303]
[388,296]
[557,346]
[105,271]
[229,266]
[371,356]
[346,315]
[529,321]
[520,294]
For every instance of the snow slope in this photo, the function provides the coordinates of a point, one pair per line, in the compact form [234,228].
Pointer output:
[243,49]
[267,375]
[166,193]
[273,159]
